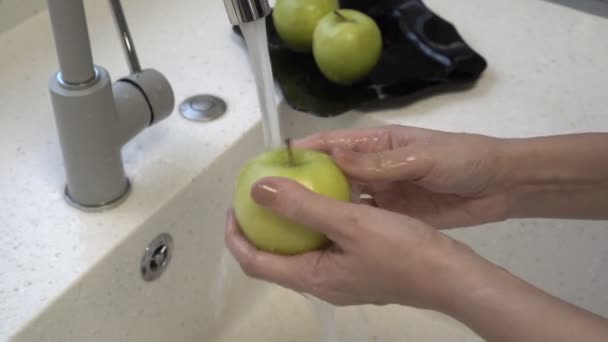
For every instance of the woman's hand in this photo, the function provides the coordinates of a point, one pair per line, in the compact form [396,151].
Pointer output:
[378,256]
[381,257]
[426,178]
[447,180]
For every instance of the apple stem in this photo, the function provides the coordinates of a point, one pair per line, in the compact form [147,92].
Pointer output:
[289,152]
[341,16]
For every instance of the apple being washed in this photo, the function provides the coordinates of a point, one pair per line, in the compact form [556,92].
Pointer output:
[296,20]
[267,230]
[347,45]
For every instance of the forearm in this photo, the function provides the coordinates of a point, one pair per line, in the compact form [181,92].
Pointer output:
[502,308]
[558,177]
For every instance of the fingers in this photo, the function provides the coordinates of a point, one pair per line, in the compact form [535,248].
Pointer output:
[374,154]
[295,202]
[287,271]
[384,166]
[368,140]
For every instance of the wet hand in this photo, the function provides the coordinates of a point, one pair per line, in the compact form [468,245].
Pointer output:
[378,256]
[445,179]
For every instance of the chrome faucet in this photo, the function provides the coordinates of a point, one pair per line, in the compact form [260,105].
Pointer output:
[244,11]
[94,117]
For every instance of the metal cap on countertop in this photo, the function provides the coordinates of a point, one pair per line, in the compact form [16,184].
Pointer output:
[202,108]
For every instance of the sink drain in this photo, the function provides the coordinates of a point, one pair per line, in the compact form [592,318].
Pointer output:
[157,256]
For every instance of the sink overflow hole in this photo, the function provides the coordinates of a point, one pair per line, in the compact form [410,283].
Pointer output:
[157,256]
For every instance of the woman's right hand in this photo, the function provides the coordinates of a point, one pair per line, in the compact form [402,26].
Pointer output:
[448,180]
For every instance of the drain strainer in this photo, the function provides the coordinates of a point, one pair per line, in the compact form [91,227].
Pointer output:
[157,256]
[202,108]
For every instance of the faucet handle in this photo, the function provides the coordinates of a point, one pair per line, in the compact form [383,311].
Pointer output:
[125,36]
[157,91]
[155,88]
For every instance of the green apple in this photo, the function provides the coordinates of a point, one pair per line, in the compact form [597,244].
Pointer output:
[347,45]
[296,20]
[269,231]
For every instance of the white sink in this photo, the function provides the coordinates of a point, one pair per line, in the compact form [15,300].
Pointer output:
[203,295]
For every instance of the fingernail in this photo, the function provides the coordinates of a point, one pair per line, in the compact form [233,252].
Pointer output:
[264,192]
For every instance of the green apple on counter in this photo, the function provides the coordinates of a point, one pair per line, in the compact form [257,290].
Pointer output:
[269,231]
[296,20]
[347,45]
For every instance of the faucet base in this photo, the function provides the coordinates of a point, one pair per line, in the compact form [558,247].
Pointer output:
[98,207]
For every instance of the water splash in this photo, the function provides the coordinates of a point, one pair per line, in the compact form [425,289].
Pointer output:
[326,314]
[219,286]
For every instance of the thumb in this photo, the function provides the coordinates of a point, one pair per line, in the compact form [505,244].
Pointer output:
[295,202]
[384,166]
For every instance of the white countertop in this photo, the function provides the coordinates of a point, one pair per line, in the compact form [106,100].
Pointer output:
[547,74]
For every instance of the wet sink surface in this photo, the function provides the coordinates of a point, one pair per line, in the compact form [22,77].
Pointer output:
[203,295]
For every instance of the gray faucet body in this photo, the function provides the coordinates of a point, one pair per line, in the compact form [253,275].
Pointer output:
[94,117]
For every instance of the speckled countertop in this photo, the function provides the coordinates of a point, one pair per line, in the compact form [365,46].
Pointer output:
[547,75]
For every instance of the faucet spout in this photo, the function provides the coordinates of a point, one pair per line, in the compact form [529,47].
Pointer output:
[244,11]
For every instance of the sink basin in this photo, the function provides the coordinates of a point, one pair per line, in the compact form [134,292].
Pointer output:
[203,295]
